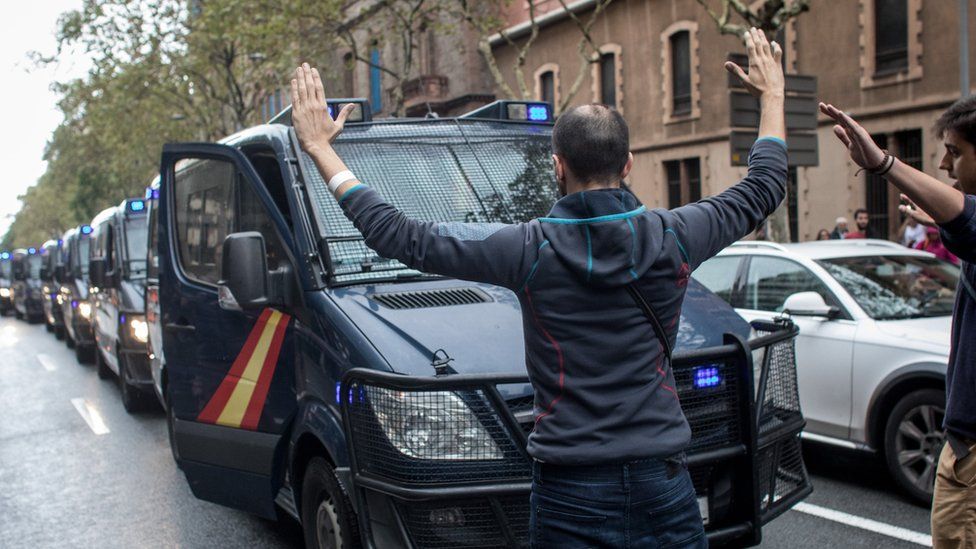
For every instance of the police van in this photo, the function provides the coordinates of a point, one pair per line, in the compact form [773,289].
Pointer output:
[117,270]
[26,285]
[6,266]
[387,407]
[51,254]
[72,275]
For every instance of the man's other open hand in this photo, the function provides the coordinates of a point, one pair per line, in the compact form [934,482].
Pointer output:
[310,112]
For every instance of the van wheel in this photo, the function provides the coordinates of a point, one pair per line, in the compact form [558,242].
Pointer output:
[103,370]
[59,333]
[133,399]
[86,355]
[48,327]
[328,519]
[171,428]
[913,441]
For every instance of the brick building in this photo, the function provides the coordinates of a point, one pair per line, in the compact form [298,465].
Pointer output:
[661,66]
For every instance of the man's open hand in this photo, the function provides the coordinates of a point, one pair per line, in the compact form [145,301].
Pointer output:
[863,150]
[310,112]
[765,77]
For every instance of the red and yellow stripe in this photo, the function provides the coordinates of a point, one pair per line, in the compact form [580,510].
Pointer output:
[240,398]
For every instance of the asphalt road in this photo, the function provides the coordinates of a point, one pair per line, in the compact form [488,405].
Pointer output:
[63,485]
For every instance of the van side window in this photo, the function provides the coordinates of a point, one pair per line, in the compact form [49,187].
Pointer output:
[204,211]
[253,216]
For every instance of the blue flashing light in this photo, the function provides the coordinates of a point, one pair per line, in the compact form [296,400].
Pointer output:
[5,255]
[60,243]
[86,229]
[538,113]
[706,377]
[31,251]
[137,205]
[332,113]
[149,192]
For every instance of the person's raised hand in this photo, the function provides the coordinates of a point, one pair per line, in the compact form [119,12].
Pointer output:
[765,77]
[310,112]
[912,210]
[863,150]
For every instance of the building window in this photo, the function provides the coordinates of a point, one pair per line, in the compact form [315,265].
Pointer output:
[882,205]
[876,198]
[547,87]
[608,79]
[547,84]
[375,80]
[349,75]
[684,181]
[792,203]
[681,72]
[890,36]
[891,50]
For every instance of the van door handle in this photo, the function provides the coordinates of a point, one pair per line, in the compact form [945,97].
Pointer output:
[180,327]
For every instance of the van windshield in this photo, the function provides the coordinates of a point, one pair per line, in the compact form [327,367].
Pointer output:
[81,260]
[435,170]
[5,269]
[136,239]
[34,266]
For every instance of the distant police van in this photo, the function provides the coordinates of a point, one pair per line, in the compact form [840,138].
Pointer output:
[6,279]
[386,407]
[51,254]
[73,278]
[26,286]
[117,270]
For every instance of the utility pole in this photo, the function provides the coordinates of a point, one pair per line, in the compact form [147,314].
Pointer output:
[964,48]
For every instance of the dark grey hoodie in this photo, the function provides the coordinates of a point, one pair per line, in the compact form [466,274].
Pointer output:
[603,391]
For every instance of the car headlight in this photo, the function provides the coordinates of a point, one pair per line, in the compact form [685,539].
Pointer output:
[60,299]
[4,292]
[432,425]
[138,329]
[84,309]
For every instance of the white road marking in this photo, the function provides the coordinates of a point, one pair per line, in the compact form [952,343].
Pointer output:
[865,524]
[47,362]
[91,416]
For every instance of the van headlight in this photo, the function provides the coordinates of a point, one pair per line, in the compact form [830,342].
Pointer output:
[84,309]
[138,329]
[4,292]
[432,425]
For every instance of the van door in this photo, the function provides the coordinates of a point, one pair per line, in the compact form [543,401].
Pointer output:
[221,363]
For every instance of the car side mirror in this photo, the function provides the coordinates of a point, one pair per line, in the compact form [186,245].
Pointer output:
[244,268]
[96,273]
[809,304]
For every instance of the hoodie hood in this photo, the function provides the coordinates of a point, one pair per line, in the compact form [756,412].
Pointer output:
[597,235]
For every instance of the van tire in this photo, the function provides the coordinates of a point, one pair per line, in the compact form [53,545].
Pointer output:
[328,519]
[69,341]
[171,427]
[911,408]
[59,332]
[134,399]
[86,354]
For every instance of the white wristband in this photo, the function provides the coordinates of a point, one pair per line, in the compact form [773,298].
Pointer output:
[338,179]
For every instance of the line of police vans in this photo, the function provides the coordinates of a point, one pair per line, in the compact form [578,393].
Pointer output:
[302,375]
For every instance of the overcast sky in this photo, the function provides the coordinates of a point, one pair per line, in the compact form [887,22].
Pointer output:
[30,113]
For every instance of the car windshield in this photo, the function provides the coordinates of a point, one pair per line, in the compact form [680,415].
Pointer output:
[136,239]
[897,287]
[34,266]
[436,170]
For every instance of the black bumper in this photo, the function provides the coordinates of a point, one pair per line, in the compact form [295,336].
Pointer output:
[136,362]
[744,456]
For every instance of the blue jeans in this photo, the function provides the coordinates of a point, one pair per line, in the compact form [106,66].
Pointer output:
[648,503]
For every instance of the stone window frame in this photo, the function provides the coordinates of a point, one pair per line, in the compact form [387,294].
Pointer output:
[867,46]
[618,77]
[537,78]
[666,72]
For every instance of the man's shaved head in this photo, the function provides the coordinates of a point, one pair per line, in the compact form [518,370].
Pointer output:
[593,141]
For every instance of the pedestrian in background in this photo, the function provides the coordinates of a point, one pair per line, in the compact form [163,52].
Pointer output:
[609,437]
[934,203]
[911,232]
[824,234]
[862,228]
[840,229]
[932,243]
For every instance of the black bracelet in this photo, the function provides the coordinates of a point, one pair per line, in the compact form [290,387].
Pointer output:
[889,162]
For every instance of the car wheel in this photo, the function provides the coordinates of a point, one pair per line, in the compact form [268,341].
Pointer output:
[328,519]
[171,428]
[103,370]
[913,442]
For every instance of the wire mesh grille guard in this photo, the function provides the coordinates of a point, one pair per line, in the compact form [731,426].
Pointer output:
[437,170]
[450,451]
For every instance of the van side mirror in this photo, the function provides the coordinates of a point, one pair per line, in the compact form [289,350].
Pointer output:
[244,269]
[96,273]
[809,304]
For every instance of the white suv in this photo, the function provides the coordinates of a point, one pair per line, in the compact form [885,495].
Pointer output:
[874,322]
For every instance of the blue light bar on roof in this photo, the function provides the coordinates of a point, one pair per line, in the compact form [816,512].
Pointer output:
[137,205]
[5,255]
[31,251]
[707,376]
[60,242]
[538,113]
[86,229]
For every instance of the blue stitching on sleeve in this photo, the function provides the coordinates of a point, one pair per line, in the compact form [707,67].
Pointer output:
[633,249]
[355,188]
[773,139]
[535,265]
[678,241]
